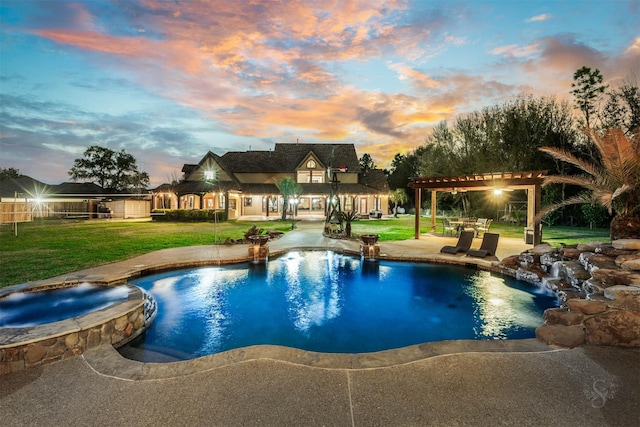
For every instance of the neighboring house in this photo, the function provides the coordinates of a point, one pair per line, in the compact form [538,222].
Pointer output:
[244,182]
[67,200]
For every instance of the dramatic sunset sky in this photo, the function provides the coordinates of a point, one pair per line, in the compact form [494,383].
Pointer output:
[169,80]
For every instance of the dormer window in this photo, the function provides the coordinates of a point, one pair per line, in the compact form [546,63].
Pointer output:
[311,164]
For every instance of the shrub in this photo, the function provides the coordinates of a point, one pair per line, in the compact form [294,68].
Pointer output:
[183,215]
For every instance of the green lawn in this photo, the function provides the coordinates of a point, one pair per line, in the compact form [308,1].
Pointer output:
[403,228]
[49,248]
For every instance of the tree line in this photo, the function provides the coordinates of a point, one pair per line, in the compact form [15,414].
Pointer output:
[508,138]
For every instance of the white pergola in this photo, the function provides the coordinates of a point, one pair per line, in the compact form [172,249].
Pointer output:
[530,181]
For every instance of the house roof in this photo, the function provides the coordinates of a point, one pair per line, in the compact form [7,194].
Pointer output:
[187,169]
[287,157]
[76,188]
[251,161]
[29,187]
[24,185]
[375,178]
[332,155]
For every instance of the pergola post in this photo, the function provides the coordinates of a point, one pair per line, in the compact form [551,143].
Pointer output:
[537,226]
[417,209]
[534,200]
[434,207]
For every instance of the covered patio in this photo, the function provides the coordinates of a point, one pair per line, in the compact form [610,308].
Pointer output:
[531,181]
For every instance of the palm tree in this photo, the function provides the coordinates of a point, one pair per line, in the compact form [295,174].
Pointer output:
[289,188]
[348,217]
[613,181]
[398,197]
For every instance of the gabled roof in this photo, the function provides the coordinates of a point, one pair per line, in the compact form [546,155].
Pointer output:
[187,169]
[210,156]
[287,157]
[251,161]
[76,188]
[29,187]
[331,155]
[24,185]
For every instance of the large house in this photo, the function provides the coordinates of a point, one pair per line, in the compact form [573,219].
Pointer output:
[243,183]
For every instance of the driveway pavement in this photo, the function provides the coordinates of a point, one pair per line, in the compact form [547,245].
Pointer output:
[455,383]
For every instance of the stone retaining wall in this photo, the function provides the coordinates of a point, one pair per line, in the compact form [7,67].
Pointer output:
[28,347]
[599,286]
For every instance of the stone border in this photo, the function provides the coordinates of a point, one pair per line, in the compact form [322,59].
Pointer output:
[115,325]
[107,361]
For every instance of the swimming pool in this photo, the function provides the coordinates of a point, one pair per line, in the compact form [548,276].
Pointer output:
[330,302]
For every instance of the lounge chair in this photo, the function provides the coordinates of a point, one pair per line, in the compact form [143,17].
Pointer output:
[488,246]
[463,245]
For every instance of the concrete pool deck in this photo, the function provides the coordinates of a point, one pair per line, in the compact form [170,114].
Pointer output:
[520,382]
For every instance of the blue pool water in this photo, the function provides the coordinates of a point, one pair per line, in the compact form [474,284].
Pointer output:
[329,302]
[24,309]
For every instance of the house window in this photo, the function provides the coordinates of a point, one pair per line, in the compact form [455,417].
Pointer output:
[304,177]
[209,175]
[317,177]
[317,204]
[272,202]
[232,204]
[221,201]
[348,203]
[303,204]
[311,176]
[248,201]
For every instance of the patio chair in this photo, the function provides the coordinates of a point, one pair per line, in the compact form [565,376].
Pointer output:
[469,224]
[447,227]
[483,226]
[488,246]
[463,245]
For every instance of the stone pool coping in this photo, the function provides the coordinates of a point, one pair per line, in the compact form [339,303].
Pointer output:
[106,360]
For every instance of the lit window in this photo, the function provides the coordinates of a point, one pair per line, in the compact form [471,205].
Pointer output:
[311,164]
[317,177]
[209,175]
[304,177]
